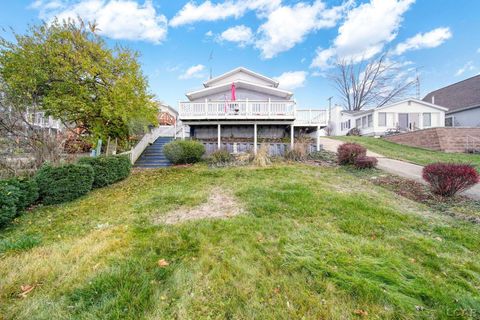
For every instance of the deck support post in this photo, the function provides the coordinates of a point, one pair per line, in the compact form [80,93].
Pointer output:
[255,138]
[292,134]
[219,139]
[318,138]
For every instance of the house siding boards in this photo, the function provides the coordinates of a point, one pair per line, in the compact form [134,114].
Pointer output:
[466,118]
[241,94]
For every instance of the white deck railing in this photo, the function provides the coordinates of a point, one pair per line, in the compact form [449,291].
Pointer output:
[39,119]
[240,109]
[251,110]
[311,117]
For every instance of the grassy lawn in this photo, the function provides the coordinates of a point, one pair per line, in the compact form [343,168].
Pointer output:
[313,243]
[411,154]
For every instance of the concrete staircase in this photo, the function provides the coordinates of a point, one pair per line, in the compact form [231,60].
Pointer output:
[152,156]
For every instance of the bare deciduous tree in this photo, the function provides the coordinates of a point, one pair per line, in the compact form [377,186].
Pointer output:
[23,145]
[371,83]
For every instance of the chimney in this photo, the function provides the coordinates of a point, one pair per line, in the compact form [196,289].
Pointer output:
[433,99]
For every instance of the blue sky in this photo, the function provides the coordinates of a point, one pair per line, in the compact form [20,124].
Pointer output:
[296,42]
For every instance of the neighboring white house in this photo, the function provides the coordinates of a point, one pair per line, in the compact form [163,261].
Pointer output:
[260,111]
[407,115]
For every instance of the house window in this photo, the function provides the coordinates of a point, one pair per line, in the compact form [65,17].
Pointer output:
[358,122]
[348,124]
[370,120]
[427,119]
[382,119]
[449,121]
[364,122]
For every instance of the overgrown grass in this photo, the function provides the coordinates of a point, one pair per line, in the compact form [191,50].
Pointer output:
[314,243]
[411,154]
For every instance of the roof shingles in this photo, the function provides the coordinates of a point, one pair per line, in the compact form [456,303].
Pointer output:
[457,96]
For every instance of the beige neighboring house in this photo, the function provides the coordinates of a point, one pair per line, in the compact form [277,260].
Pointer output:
[403,116]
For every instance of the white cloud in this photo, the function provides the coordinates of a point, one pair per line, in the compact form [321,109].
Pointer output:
[240,34]
[208,11]
[292,79]
[209,33]
[478,50]
[287,26]
[365,31]
[429,39]
[193,72]
[469,66]
[116,19]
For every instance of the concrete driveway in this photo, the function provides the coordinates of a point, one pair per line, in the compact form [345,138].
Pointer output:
[400,168]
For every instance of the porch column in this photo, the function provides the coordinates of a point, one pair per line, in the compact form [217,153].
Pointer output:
[292,133]
[318,138]
[219,140]
[420,120]
[255,138]
[183,132]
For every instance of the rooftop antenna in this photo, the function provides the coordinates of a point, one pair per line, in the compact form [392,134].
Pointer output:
[210,58]
[417,83]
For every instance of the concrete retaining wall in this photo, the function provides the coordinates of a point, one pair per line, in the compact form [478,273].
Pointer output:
[440,139]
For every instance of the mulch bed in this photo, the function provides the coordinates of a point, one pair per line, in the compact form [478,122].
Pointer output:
[460,207]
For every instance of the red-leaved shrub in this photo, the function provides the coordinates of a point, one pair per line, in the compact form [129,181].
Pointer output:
[348,152]
[364,162]
[446,179]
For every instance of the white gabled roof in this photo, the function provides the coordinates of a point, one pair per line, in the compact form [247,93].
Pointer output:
[428,104]
[217,80]
[239,84]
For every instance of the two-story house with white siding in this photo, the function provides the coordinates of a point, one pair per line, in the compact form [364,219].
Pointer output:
[240,109]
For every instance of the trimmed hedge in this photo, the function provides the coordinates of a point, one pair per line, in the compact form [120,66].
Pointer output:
[63,183]
[447,179]
[28,192]
[347,153]
[9,196]
[184,151]
[108,170]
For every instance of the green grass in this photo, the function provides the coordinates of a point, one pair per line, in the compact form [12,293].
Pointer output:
[411,154]
[314,243]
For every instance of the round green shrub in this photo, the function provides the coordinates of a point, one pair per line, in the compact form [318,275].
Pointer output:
[184,151]
[9,196]
[63,183]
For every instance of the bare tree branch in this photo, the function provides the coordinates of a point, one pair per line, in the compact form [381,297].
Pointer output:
[372,83]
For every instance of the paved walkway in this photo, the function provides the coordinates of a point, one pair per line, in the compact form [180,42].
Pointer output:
[397,167]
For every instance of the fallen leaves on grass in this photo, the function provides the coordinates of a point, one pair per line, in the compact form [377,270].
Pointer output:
[26,289]
[360,312]
[162,263]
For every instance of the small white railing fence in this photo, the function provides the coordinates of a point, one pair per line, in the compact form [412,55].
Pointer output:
[149,138]
[237,109]
[311,117]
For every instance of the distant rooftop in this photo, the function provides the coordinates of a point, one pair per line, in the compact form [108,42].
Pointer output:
[458,96]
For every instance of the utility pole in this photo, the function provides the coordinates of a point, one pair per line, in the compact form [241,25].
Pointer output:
[210,58]
[329,109]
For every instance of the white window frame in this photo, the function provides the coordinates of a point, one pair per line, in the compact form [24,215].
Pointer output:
[379,118]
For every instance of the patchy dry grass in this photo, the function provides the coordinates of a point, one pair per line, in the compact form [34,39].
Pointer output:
[313,243]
